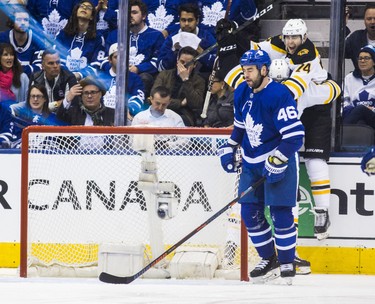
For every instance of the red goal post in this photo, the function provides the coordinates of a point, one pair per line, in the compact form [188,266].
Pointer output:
[85,186]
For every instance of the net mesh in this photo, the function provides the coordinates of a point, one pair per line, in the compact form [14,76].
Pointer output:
[88,189]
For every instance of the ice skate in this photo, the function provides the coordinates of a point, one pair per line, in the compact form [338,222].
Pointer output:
[321,223]
[288,272]
[266,270]
[302,266]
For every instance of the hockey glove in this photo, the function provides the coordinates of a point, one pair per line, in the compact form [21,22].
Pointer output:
[223,28]
[368,162]
[227,155]
[274,169]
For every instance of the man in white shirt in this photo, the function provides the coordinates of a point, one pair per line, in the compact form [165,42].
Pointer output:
[157,114]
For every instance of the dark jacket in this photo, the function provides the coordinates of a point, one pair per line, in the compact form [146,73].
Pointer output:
[353,44]
[63,82]
[75,115]
[193,90]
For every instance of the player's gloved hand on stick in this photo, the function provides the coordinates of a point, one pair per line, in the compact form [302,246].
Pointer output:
[223,28]
[368,162]
[227,43]
[227,155]
[274,169]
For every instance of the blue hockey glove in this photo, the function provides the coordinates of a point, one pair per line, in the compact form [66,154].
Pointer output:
[368,162]
[274,169]
[227,155]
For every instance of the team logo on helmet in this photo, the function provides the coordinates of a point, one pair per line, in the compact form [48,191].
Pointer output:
[295,27]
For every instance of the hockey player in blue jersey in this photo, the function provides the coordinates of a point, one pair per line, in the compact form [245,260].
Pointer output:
[269,132]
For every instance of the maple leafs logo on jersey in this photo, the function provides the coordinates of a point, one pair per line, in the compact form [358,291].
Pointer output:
[134,58]
[254,131]
[160,20]
[53,25]
[212,15]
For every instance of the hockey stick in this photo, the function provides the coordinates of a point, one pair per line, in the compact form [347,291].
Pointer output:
[213,73]
[109,278]
[234,32]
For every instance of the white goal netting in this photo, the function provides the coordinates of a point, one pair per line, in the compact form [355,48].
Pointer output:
[123,187]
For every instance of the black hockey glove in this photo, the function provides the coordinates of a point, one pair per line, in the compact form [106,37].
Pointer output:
[223,28]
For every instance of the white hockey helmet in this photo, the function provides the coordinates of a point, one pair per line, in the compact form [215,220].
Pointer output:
[295,27]
[279,70]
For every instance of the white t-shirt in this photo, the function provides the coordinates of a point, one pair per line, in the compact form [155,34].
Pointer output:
[168,119]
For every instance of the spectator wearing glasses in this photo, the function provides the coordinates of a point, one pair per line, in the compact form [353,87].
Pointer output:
[360,38]
[359,90]
[80,48]
[83,105]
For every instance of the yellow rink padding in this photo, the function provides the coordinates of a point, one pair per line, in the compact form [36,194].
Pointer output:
[9,255]
[339,260]
[326,260]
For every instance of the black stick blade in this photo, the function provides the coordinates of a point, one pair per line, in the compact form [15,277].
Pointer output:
[109,278]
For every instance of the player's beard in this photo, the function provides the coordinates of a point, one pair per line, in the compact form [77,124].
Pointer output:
[257,82]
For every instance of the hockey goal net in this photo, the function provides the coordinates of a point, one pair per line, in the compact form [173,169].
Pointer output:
[83,187]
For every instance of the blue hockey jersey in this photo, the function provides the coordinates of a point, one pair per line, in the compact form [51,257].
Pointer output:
[135,91]
[28,53]
[167,57]
[162,13]
[214,10]
[143,48]
[53,15]
[264,122]
[80,54]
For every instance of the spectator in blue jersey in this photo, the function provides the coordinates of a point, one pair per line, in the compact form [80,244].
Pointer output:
[83,105]
[33,111]
[144,45]
[188,34]
[57,80]
[26,41]
[80,48]
[267,128]
[161,14]
[13,82]
[368,162]
[214,10]
[359,90]
[186,86]
[7,137]
[52,15]
[136,96]
[107,16]
[360,38]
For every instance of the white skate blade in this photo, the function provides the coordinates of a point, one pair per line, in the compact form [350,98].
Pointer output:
[270,276]
[287,280]
[322,236]
[303,270]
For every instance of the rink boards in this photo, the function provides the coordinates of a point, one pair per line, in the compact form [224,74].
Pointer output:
[350,248]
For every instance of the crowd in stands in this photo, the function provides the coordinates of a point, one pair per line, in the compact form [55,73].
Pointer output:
[59,61]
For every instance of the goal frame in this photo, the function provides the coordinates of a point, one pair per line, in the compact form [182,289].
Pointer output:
[23,271]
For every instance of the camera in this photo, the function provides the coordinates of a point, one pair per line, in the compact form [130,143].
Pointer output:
[166,206]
